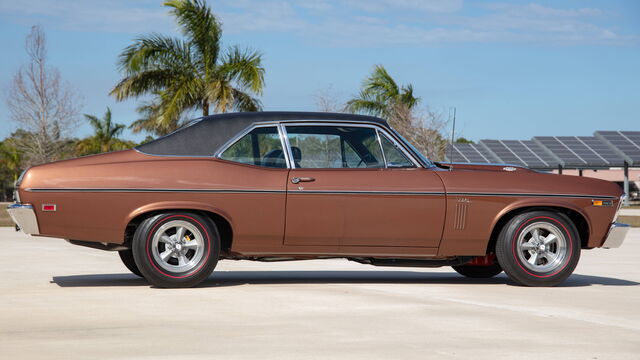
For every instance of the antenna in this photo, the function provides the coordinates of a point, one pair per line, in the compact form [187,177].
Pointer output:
[453,136]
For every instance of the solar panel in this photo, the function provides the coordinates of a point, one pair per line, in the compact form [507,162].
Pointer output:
[567,157]
[602,150]
[580,151]
[469,153]
[521,152]
[541,153]
[625,143]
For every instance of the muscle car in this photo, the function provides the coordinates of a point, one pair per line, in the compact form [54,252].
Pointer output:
[272,186]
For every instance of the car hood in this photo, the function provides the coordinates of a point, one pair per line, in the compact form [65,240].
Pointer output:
[516,180]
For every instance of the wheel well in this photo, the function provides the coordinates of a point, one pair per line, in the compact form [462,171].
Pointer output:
[224,228]
[578,220]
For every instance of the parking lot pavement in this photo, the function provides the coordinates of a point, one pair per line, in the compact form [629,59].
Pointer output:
[59,301]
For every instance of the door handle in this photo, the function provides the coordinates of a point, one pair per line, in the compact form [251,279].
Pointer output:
[296,180]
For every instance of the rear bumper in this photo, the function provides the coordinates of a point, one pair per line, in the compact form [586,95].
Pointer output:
[617,234]
[24,216]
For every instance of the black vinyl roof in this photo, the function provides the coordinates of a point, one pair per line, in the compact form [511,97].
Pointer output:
[206,136]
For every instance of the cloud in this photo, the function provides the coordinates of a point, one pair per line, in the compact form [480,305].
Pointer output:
[89,15]
[350,22]
[435,6]
[421,23]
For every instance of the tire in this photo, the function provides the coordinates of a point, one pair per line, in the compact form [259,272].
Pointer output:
[176,249]
[127,259]
[478,271]
[538,248]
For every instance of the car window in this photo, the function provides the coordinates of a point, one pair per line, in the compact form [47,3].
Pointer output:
[334,147]
[261,146]
[394,156]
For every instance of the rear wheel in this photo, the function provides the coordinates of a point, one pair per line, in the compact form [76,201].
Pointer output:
[539,248]
[176,249]
[127,259]
[478,271]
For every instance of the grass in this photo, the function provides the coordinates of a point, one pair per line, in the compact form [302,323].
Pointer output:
[631,220]
[5,220]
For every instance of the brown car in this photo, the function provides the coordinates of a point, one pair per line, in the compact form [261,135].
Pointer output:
[290,186]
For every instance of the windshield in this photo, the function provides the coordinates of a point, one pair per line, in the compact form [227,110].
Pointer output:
[423,159]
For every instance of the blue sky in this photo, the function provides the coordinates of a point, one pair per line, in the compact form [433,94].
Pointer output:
[513,69]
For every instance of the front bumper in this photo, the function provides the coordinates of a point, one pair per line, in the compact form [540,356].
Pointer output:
[24,216]
[617,234]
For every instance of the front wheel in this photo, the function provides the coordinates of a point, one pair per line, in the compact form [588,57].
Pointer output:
[176,249]
[539,248]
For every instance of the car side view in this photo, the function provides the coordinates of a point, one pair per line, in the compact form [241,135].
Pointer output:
[273,186]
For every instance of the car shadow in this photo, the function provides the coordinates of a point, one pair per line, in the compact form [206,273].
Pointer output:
[236,278]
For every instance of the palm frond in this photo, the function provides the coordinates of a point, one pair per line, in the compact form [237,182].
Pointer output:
[245,102]
[145,82]
[365,105]
[153,52]
[200,26]
[244,66]
[182,95]
[407,98]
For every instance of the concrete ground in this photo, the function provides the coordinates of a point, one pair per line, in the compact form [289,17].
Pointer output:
[59,301]
[630,212]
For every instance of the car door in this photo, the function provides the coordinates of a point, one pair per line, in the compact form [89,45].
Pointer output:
[256,175]
[344,190]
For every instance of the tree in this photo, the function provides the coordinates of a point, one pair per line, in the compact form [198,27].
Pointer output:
[153,120]
[463,140]
[382,96]
[105,136]
[42,104]
[190,73]
[326,100]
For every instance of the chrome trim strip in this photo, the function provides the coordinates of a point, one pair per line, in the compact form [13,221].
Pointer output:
[536,195]
[113,190]
[374,192]
[267,191]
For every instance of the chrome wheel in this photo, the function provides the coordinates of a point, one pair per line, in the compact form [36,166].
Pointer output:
[178,246]
[541,247]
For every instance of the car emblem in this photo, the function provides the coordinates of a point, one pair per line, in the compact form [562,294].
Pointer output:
[509,168]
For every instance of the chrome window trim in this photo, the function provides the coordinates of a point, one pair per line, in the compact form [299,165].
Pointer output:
[240,135]
[397,145]
[373,126]
[285,139]
[384,156]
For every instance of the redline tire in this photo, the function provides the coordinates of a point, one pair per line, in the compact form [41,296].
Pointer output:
[176,249]
[478,271]
[127,259]
[539,248]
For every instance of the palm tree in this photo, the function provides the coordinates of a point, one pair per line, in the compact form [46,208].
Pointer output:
[381,96]
[191,73]
[152,119]
[105,136]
